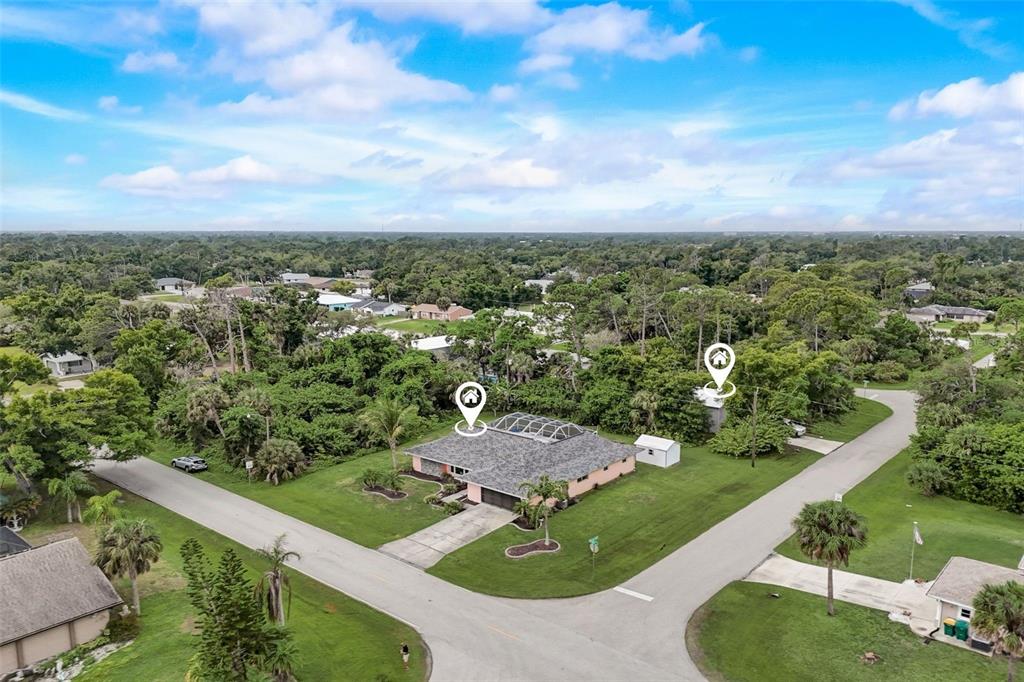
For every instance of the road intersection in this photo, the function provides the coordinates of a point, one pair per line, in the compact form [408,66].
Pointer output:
[633,632]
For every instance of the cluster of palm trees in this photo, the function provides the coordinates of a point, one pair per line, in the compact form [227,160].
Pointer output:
[828,532]
[540,497]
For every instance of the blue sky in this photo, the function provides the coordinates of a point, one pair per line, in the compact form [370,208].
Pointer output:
[514,115]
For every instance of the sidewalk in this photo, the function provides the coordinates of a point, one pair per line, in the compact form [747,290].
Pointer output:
[816,444]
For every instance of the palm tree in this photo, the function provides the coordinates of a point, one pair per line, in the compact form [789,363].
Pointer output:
[69,490]
[645,406]
[275,581]
[999,615]
[828,532]
[539,493]
[387,418]
[280,460]
[529,512]
[127,548]
[204,406]
[391,480]
[102,509]
[521,366]
[258,400]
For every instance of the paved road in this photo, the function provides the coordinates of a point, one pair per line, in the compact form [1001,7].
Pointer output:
[612,635]
[986,362]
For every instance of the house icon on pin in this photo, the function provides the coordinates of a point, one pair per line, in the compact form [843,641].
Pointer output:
[720,359]
[471,397]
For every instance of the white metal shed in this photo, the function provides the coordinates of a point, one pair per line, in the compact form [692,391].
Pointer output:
[661,452]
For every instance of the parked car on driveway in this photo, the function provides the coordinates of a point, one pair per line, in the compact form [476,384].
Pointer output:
[798,429]
[191,463]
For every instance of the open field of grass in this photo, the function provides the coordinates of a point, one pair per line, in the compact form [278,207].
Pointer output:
[337,637]
[167,298]
[640,519]
[407,326]
[949,527]
[984,326]
[743,635]
[865,414]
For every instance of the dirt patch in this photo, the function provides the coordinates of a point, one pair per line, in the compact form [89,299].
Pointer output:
[535,547]
[386,493]
[329,607]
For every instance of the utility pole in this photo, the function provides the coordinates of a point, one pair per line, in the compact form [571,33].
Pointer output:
[753,431]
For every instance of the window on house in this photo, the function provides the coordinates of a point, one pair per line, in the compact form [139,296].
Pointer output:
[965,614]
[624,460]
[582,478]
[606,468]
[459,471]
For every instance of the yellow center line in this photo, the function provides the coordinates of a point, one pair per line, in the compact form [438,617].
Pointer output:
[502,632]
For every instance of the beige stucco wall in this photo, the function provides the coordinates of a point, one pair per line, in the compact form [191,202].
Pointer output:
[49,643]
[602,476]
[473,493]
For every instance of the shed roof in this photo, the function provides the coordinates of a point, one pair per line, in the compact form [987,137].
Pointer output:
[50,585]
[336,299]
[654,442]
[961,578]
[431,343]
[11,542]
[503,460]
[66,356]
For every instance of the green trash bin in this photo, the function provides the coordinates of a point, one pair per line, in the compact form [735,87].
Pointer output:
[949,627]
[962,626]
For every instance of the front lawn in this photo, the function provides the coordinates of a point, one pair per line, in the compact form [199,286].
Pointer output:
[949,527]
[865,414]
[742,634]
[428,327]
[332,498]
[336,637]
[639,519]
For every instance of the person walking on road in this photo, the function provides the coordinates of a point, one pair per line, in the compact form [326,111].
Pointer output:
[405,655]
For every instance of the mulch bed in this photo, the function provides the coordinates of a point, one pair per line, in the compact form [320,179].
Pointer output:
[535,547]
[412,473]
[520,523]
[385,492]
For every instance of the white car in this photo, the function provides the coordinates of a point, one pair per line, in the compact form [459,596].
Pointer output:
[798,428]
[191,464]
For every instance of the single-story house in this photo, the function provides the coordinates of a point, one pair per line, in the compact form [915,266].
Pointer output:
[957,584]
[919,290]
[11,542]
[379,308]
[173,284]
[520,448]
[543,283]
[321,283]
[336,302]
[67,364]
[294,277]
[440,346]
[715,407]
[661,452]
[52,599]
[360,274]
[429,311]
[941,313]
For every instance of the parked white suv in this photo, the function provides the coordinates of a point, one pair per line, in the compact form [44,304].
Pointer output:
[191,463]
[798,428]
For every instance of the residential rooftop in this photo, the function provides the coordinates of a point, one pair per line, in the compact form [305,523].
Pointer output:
[962,578]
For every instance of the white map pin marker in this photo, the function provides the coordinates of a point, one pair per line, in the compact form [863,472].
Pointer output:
[471,398]
[719,359]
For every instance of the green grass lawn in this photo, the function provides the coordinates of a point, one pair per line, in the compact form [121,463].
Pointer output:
[167,298]
[337,637]
[949,527]
[429,327]
[984,327]
[640,519]
[865,414]
[743,635]
[332,498]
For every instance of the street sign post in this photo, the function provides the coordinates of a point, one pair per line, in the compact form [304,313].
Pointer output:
[593,556]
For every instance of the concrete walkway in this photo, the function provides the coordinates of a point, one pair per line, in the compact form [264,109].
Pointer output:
[426,547]
[819,445]
[986,362]
[874,593]
[632,633]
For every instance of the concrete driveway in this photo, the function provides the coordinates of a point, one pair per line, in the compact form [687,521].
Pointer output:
[634,632]
[426,547]
[819,445]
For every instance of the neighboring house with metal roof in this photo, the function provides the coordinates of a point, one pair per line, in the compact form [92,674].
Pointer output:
[941,313]
[67,364]
[173,284]
[52,599]
[440,346]
[294,277]
[957,584]
[336,302]
[379,308]
[519,448]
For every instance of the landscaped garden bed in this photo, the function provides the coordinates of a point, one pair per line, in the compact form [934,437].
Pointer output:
[535,547]
[389,494]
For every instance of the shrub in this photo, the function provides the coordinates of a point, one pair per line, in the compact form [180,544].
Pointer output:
[452,508]
[280,460]
[391,480]
[890,372]
[735,440]
[927,476]
[371,477]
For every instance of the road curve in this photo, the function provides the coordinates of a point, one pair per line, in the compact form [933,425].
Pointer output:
[610,635]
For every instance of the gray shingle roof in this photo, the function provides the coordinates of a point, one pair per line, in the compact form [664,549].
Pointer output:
[49,585]
[11,542]
[948,310]
[502,461]
[961,578]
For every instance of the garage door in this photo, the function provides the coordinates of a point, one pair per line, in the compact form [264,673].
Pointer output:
[498,499]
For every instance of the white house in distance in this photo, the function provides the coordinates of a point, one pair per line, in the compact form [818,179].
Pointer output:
[67,364]
[173,284]
[379,308]
[661,452]
[543,283]
[954,313]
[439,346]
[294,277]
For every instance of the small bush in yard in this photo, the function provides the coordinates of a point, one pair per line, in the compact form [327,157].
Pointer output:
[452,508]
[371,477]
[927,476]
[890,372]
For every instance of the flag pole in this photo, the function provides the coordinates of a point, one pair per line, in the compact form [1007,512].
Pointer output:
[913,543]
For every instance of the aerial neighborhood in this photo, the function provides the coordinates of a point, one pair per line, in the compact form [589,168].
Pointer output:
[511,341]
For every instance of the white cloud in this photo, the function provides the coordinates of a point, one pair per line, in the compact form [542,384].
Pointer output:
[472,16]
[264,28]
[750,53]
[166,181]
[112,103]
[35,106]
[518,174]
[544,62]
[243,169]
[504,93]
[75,159]
[563,80]
[968,98]
[140,62]
[974,33]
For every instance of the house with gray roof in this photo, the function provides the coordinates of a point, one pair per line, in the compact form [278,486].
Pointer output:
[52,598]
[67,364]
[957,584]
[520,448]
[372,306]
[173,284]
[941,313]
